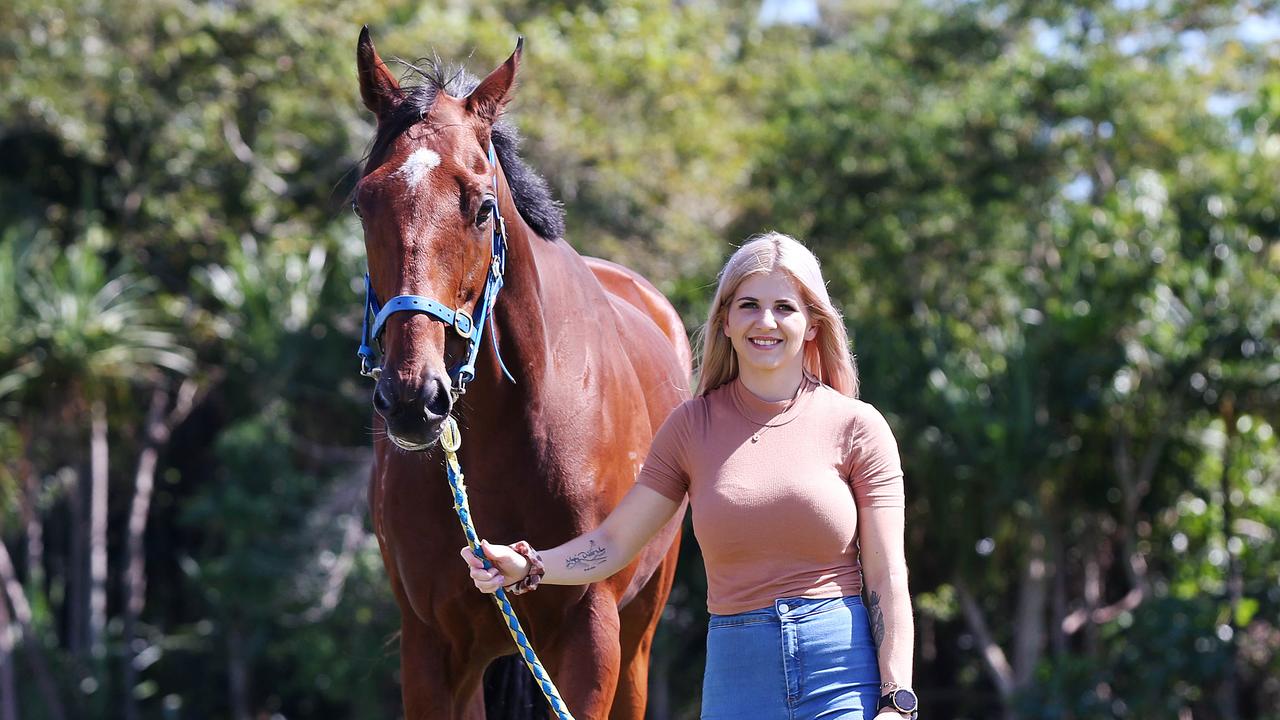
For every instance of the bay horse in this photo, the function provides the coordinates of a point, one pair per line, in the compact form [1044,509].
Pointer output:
[597,359]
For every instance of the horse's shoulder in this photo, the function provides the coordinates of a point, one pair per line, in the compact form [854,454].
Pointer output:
[622,282]
[627,288]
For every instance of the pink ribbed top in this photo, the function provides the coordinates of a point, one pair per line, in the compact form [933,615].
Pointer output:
[778,517]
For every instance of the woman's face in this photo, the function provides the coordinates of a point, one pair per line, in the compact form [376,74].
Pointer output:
[768,324]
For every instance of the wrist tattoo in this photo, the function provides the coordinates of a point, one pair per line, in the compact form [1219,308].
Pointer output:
[876,615]
[587,560]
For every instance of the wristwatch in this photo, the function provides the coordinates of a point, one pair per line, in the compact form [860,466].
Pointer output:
[902,700]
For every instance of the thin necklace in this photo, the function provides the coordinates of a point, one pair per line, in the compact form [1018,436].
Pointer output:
[764,426]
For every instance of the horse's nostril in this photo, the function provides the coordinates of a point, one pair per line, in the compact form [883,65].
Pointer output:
[435,398]
[382,399]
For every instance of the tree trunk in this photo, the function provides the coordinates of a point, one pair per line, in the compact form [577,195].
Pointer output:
[31,641]
[135,574]
[98,531]
[993,657]
[1029,622]
[1227,695]
[31,519]
[1092,597]
[1135,485]
[76,572]
[1058,638]
[1029,633]
[237,673]
[157,432]
[8,690]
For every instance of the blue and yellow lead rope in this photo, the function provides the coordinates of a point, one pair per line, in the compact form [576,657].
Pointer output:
[450,441]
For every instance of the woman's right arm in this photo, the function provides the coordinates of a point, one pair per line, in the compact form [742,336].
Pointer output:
[588,558]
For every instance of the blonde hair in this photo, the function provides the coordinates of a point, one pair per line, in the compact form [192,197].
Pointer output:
[826,357]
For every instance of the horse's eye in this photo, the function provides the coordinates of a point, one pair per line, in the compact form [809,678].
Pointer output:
[355,208]
[487,208]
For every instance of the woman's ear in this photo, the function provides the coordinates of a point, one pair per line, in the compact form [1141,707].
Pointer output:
[811,332]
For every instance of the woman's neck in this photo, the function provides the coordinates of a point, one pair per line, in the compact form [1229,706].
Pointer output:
[774,385]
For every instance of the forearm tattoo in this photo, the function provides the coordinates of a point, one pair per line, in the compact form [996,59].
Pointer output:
[587,560]
[877,618]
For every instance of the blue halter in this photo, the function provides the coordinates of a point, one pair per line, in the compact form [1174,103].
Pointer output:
[469,328]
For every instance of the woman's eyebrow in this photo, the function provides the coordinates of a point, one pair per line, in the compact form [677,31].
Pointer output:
[788,300]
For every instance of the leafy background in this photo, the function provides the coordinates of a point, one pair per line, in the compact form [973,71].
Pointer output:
[1052,226]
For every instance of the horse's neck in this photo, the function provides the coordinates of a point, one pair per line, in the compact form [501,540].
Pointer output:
[548,291]
[520,322]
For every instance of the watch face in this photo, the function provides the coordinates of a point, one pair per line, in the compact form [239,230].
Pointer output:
[905,700]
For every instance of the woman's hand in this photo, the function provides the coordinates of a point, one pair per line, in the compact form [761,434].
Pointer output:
[509,566]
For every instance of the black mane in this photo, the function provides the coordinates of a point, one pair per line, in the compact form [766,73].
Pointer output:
[532,195]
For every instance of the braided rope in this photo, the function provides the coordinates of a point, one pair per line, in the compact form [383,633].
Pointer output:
[450,442]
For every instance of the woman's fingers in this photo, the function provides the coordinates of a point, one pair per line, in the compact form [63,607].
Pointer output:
[486,579]
[499,555]
[471,558]
[506,563]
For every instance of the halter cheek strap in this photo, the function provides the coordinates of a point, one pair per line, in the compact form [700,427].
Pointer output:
[469,328]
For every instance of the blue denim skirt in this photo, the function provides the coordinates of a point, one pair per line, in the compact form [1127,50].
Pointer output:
[801,659]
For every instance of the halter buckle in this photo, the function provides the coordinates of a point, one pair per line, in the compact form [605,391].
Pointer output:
[463,323]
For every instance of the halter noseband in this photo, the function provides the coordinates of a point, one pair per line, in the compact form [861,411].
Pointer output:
[469,328]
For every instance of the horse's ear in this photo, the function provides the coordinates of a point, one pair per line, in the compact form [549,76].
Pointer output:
[493,93]
[378,88]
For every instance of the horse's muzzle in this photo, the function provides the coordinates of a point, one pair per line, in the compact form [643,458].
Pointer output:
[414,414]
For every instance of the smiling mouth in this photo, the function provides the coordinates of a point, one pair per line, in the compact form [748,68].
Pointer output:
[764,342]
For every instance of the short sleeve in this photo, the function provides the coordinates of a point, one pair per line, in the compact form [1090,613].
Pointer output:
[872,466]
[665,470]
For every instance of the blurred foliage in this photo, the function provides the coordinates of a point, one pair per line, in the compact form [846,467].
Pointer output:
[1052,225]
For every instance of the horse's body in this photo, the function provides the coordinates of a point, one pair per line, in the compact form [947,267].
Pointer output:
[599,358]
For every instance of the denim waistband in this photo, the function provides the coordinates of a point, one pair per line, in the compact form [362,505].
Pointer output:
[789,608]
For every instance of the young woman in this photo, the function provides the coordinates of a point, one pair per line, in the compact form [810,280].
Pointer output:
[797,496]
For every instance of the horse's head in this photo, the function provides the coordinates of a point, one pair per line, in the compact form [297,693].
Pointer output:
[428,204]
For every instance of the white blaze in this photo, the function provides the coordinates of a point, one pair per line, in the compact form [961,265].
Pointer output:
[415,169]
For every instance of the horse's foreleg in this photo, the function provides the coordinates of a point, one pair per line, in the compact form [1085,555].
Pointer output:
[639,622]
[586,656]
[633,682]
[430,688]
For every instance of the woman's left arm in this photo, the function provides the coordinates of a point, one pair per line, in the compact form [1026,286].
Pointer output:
[884,570]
